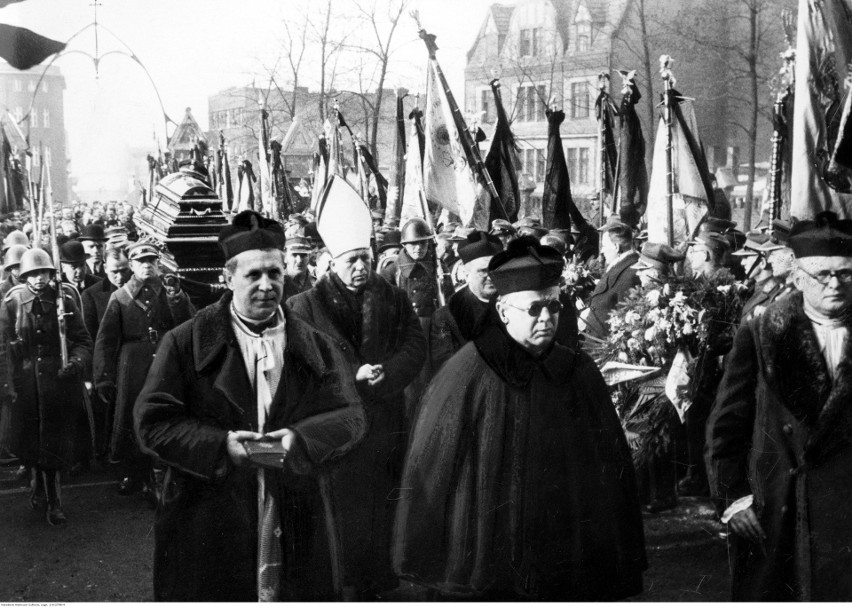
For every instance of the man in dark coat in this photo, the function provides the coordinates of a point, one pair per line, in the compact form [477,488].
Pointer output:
[93,239]
[137,317]
[619,278]
[518,482]
[244,370]
[46,396]
[468,310]
[376,326]
[95,300]
[74,269]
[296,254]
[779,440]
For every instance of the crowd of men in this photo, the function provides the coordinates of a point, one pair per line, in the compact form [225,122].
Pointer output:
[370,404]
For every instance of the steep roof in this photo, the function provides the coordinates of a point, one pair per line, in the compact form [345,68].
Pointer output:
[186,133]
[502,16]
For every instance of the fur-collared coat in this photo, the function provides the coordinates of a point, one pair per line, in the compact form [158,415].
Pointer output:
[612,287]
[378,326]
[205,534]
[782,432]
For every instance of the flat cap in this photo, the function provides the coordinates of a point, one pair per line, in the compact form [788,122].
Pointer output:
[141,250]
[298,244]
[656,255]
[824,236]
[501,226]
[713,241]
[613,222]
[525,265]
[714,224]
[250,230]
[479,244]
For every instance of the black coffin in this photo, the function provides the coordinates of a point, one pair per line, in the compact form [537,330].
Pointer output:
[185,217]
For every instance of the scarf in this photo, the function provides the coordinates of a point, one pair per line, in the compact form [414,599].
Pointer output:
[263,354]
[831,334]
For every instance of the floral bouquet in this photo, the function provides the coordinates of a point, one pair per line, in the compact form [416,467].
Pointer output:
[578,280]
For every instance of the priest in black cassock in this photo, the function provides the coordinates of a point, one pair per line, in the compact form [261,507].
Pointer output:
[518,482]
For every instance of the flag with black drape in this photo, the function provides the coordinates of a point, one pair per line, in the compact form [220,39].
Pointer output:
[605,113]
[632,185]
[557,204]
[396,185]
[503,163]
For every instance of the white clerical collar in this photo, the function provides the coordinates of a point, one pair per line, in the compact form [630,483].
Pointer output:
[245,323]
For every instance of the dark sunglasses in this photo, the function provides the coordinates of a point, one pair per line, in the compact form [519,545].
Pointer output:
[534,309]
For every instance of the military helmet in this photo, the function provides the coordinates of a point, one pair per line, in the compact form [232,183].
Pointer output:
[15,237]
[13,256]
[35,259]
[415,230]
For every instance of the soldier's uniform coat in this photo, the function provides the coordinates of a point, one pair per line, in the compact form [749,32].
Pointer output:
[137,316]
[43,418]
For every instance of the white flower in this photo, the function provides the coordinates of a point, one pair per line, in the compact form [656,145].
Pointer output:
[653,297]
[667,289]
[632,317]
[723,289]
[650,333]
[687,329]
[633,343]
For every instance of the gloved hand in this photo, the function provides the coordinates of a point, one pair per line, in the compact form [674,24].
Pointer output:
[72,369]
[172,284]
[107,391]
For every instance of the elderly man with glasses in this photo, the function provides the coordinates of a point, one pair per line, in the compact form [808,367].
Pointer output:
[779,440]
[518,483]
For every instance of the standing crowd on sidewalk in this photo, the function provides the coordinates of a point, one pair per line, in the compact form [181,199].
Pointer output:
[484,415]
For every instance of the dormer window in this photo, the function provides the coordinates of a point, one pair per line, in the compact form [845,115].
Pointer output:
[582,29]
[530,42]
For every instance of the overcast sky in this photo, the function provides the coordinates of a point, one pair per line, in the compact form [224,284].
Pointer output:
[193,48]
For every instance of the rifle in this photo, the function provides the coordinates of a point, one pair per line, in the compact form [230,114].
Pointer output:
[780,131]
[60,294]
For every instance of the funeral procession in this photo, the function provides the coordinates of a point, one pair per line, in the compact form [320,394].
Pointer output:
[425,300]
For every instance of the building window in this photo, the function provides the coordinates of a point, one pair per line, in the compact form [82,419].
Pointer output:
[485,105]
[534,163]
[18,87]
[34,118]
[45,118]
[530,103]
[583,167]
[579,100]
[583,36]
[47,160]
[31,86]
[19,113]
[531,42]
[578,165]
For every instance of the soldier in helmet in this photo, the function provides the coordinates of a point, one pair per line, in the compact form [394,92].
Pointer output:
[137,316]
[15,237]
[417,271]
[11,267]
[45,394]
